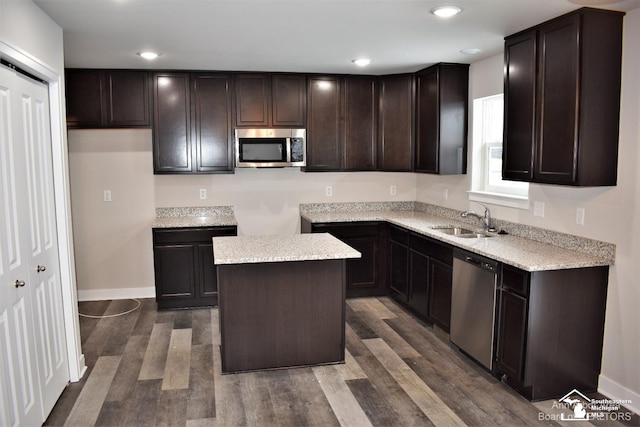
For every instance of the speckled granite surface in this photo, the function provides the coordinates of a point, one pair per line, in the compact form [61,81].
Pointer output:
[525,247]
[201,216]
[275,248]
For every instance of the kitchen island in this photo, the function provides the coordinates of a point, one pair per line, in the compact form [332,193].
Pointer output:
[281,300]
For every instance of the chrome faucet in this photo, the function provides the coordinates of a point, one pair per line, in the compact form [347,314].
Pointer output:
[486,219]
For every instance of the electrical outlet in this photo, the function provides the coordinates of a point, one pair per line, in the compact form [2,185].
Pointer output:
[580,216]
[445,194]
[393,190]
[203,193]
[106,195]
[328,191]
[538,209]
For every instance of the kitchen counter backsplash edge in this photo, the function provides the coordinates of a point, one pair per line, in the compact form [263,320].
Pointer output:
[596,248]
[198,216]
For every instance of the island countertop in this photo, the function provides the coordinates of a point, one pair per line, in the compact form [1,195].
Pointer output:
[280,248]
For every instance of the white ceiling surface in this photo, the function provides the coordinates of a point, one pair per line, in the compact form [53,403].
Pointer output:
[294,35]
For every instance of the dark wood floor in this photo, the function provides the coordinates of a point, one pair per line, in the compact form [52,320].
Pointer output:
[163,368]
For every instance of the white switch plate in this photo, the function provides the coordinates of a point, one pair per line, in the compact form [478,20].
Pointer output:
[445,194]
[203,193]
[328,191]
[393,190]
[107,195]
[580,216]
[538,209]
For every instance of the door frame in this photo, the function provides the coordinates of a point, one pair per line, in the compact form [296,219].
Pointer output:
[61,188]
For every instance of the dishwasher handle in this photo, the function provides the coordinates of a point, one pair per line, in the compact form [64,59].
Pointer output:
[478,261]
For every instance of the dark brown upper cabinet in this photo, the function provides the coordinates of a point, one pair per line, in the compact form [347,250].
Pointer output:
[270,100]
[324,123]
[360,120]
[562,100]
[192,123]
[107,98]
[341,125]
[441,119]
[395,123]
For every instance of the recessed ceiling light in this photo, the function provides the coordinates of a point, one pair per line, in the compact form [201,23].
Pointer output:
[446,11]
[362,62]
[147,54]
[472,51]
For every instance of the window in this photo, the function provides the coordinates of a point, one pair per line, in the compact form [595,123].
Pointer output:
[488,185]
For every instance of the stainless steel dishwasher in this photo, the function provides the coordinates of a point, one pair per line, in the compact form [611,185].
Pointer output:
[473,305]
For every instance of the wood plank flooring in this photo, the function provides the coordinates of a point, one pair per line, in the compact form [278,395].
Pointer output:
[162,368]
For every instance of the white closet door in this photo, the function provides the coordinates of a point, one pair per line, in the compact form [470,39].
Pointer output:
[33,368]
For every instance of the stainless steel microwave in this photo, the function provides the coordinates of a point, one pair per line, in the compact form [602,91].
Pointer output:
[270,148]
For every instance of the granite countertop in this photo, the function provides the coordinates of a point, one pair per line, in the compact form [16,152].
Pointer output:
[207,216]
[279,248]
[517,251]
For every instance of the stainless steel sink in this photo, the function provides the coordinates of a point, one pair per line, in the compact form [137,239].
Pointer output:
[456,231]
[463,232]
[476,235]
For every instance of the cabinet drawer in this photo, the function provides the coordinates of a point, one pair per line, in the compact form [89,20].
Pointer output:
[431,248]
[515,280]
[399,235]
[190,235]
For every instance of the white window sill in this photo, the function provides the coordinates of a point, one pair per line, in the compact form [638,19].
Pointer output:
[518,202]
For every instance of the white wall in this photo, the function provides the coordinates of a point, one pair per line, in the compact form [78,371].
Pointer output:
[26,27]
[612,215]
[114,254]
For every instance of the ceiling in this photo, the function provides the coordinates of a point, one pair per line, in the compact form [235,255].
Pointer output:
[293,35]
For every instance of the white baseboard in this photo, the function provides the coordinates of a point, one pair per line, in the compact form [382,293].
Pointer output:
[616,391]
[122,293]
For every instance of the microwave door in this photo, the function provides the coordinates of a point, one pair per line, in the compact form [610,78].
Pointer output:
[252,150]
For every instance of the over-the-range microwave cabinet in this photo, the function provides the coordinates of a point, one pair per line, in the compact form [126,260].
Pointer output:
[270,148]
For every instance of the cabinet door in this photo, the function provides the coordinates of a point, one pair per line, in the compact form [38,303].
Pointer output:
[324,124]
[512,332]
[519,107]
[441,142]
[252,100]
[428,128]
[127,98]
[172,125]
[396,123]
[206,269]
[440,279]
[288,100]
[418,297]
[360,141]
[212,122]
[558,99]
[175,271]
[84,98]
[399,269]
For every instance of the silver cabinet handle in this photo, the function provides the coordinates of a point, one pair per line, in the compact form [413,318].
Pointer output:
[19,283]
[40,268]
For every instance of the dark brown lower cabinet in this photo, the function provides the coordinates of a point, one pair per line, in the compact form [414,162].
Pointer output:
[365,275]
[185,275]
[550,329]
[421,274]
